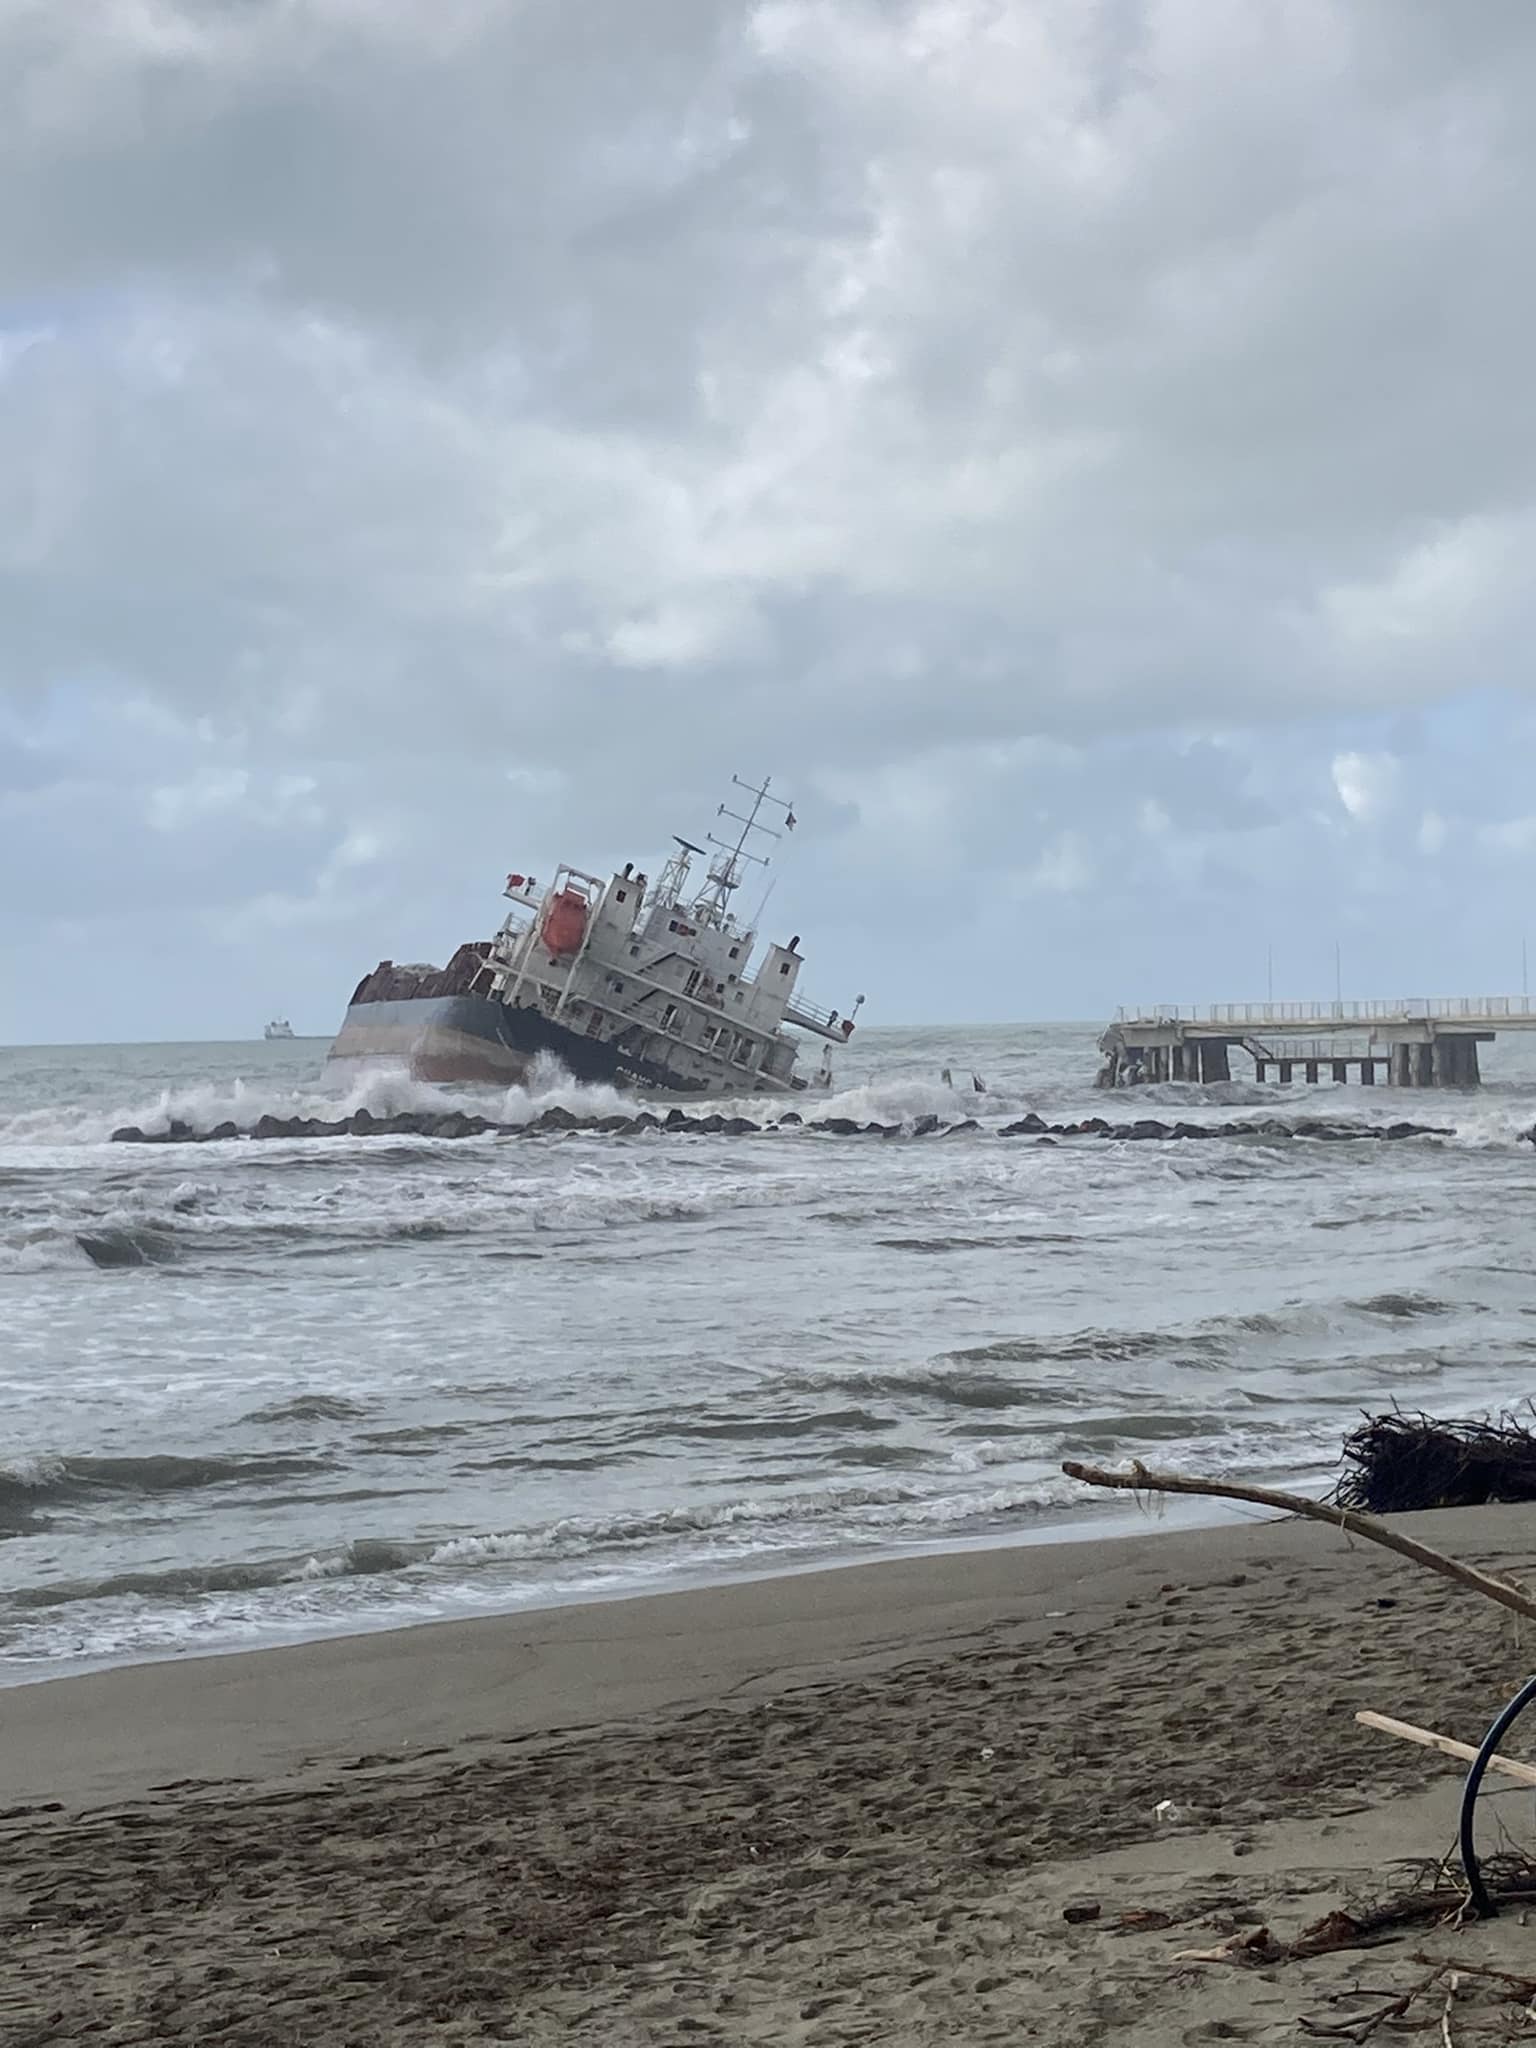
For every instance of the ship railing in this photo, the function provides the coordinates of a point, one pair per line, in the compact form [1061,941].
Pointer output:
[811,1015]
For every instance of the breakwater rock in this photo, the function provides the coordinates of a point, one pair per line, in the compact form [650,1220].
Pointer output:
[453,1123]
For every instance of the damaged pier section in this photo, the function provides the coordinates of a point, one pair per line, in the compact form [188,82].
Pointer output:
[1417,1043]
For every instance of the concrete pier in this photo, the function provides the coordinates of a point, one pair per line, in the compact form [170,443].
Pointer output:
[1419,1043]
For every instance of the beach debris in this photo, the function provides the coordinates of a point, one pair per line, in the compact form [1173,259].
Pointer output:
[1247,1946]
[1139,1478]
[1395,1464]
[1447,1746]
[1454,1974]
[1081,1911]
[1364,2024]
[1479,1898]
[1166,1814]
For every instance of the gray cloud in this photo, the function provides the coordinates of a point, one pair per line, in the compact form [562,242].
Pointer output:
[1057,435]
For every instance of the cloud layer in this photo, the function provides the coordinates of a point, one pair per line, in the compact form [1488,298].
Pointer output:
[1081,447]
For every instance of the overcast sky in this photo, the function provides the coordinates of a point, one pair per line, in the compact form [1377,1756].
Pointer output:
[1082,449]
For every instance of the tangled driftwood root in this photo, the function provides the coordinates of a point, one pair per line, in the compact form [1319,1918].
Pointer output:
[1397,1463]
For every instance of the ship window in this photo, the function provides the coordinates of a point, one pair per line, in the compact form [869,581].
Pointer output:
[622,894]
[735,952]
[634,952]
[784,969]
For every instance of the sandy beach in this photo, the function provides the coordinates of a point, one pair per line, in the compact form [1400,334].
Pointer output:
[841,1807]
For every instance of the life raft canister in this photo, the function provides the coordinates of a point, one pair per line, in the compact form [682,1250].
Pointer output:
[847,1027]
[564,924]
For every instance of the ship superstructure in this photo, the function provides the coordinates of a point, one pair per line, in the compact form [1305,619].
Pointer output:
[653,984]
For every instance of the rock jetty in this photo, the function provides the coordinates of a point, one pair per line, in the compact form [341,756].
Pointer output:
[453,1123]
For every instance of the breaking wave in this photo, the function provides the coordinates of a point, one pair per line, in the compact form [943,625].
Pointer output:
[886,1507]
[744,1526]
[29,1483]
[384,1092]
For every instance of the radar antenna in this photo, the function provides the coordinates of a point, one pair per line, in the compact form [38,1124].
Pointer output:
[674,876]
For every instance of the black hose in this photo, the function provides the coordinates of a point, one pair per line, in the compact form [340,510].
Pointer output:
[1482,1904]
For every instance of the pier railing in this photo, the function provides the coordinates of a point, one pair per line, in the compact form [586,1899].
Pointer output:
[1259,1017]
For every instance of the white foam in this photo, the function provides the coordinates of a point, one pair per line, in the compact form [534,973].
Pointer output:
[848,1507]
[32,1469]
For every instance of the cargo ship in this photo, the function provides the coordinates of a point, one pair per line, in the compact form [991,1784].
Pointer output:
[640,984]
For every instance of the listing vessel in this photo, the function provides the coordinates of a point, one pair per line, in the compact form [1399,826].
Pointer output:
[641,984]
[278,1028]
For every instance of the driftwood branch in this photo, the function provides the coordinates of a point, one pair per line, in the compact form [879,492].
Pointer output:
[1524,1774]
[1138,1479]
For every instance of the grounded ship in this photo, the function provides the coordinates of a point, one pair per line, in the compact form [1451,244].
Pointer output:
[640,984]
[278,1028]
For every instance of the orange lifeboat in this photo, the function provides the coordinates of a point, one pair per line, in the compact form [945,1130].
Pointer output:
[564,924]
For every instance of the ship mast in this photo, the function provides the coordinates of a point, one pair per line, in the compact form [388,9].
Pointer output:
[727,870]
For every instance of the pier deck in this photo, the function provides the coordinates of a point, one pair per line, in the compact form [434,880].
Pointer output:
[1422,1042]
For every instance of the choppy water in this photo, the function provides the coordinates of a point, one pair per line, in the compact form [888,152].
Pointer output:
[253,1392]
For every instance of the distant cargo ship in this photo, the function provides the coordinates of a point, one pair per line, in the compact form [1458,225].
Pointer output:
[278,1028]
[641,984]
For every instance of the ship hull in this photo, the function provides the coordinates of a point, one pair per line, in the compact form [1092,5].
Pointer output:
[474,1040]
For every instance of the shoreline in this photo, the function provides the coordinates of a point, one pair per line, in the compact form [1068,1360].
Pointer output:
[1110,1519]
[1107,1520]
[526,1670]
[826,1809]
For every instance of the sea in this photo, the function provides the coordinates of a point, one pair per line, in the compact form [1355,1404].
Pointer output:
[252,1393]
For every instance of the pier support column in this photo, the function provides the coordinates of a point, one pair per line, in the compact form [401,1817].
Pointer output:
[1261,1070]
[1214,1063]
[1341,1070]
[1424,1065]
[1456,1060]
[1399,1069]
[1367,1073]
[1285,1073]
[1311,1072]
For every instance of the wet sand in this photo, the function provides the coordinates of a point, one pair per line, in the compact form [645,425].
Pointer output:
[840,1807]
